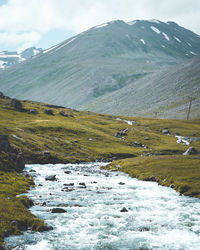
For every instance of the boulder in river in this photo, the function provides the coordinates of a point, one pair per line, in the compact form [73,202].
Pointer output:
[82,184]
[67,172]
[50,177]
[58,210]
[191,151]
[124,210]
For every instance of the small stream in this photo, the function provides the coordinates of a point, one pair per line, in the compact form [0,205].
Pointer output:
[156,218]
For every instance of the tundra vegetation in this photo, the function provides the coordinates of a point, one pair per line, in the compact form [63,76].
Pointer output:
[62,135]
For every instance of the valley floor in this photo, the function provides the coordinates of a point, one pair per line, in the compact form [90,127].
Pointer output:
[139,147]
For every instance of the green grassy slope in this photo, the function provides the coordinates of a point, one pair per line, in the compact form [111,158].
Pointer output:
[85,136]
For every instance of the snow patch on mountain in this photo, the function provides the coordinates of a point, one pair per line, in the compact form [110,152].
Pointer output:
[101,25]
[50,49]
[153,21]
[132,22]
[2,65]
[193,53]
[166,36]
[8,59]
[178,40]
[155,29]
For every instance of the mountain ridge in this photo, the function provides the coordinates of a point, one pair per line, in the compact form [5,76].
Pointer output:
[99,61]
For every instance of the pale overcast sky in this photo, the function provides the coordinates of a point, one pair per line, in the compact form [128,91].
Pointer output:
[24,23]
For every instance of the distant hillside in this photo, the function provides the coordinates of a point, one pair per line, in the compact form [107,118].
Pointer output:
[8,59]
[166,92]
[99,62]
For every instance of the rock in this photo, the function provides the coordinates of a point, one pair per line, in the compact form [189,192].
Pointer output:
[67,172]
[49,228]
[17,158]
[82,184]
[44,204]
[63,114]
[16,104]
[48,111]
[66,189]
[32,171]
[147,138]
[121,133]
[33,111]
[1,95]
[50,178]
[77,205]
[172,186]
[152,178]
[165,131]
[46,153]
[184,189]
[54,106]
[69,184]
[14,223]
[124,210]
[137,144]
[58,210]
[45,228]
[191,151]
[143,229]
[121,183]
[20,162]
[4,143]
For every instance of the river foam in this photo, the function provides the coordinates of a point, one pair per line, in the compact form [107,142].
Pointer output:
[157,217]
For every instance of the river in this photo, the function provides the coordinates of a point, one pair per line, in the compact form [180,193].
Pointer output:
[155,217]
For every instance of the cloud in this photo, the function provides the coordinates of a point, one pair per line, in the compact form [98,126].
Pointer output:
[25,22]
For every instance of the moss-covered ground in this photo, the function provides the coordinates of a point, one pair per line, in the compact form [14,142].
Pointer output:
[14,216]
[177,171]
[86,137]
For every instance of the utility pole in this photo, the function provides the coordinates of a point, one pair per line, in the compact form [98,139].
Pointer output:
[156,114]
[189,108]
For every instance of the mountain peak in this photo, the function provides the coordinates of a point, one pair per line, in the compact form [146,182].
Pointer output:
[10,58]
[99,61]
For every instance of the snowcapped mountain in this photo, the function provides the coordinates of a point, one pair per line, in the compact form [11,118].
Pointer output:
[8,59]
[100,61]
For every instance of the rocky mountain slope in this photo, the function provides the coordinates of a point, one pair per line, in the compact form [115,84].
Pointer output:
[100,61]
[167,92]
[8,59]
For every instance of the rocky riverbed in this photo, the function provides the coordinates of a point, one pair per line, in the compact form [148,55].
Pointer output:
[91,208]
